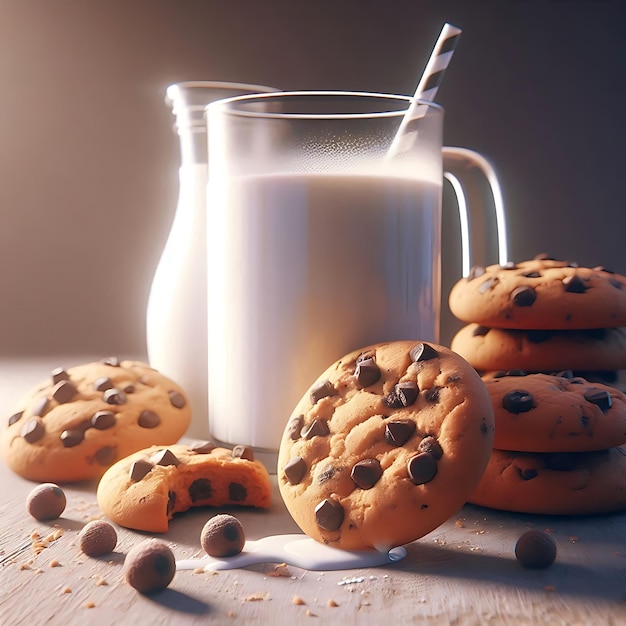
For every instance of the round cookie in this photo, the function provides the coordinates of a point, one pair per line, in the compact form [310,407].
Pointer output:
[574,483]
[146,489]
[75,425]
[541,350]
[553,413]
[540,294]
[385,446]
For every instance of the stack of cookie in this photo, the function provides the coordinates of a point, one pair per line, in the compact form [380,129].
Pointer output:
[540,332]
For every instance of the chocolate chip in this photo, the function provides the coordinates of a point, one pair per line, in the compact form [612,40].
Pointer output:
[203,447]
[106,455]
[532,275]
[237,492]
[329,514]
[103,383]
[139,469]
[64,391]
[422,352]
[535,549]
[398,432]
[102,420]
[431,445]
[317,428]
[148,419]
[488,284]
[171,502]
[177,400]
[404,394]
[366,372]
[294,426]
[475,272]
[59,374]
[527,474]
[164,457]
[113,361]
[41,406]
[574,284]
[33,430]
[15,418]
[72,437]
[480,331]
[523,296]
[322,389]
[366,473]
[432,395]
[599,397]
[422,468]
[295,469]
[518,401]
[200,489]
[243,452]
[114,396]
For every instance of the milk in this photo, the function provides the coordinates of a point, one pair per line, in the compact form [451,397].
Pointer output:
[303,269]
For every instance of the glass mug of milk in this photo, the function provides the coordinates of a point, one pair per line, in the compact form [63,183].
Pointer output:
[320,241]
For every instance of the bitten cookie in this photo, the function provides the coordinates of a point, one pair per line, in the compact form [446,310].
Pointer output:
[79,422]
[541,350]
[385,446]
[540,294]
[550,413]
[146,489]
[574,483]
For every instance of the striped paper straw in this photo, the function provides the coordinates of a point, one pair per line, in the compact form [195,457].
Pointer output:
[427,87]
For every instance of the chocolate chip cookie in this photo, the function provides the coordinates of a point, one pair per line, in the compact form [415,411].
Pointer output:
[385,446]
[541,294]
[541,350]
[81,420]
[146,489]
[570,483]
[555,413]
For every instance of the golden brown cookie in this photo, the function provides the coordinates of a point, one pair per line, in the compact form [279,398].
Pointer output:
[541,350]
[540,294]
[552,413]
[81,420]
[146,489]
[385,446]
[569,483]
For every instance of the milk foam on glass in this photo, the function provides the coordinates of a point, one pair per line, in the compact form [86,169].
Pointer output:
[176,318]
[319,243]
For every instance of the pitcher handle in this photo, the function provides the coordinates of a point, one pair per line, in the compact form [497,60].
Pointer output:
[476,228]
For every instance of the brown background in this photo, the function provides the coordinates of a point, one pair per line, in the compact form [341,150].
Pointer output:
[88,161]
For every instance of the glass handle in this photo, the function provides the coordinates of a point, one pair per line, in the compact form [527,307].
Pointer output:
[482,232]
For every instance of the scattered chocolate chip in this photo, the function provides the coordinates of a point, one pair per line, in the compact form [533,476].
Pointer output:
[237,492]
[366,372]
[404,394]
[295,469]
[329,514]
[322,389]
[164,457]
[72,437]
[114,396]
[527,474]
[317,428]
[103,383]
[535,549]
[149,566]
[148,419]
[431,445]
[41,406]
[422,352]
[97,538]
[574,284]
[399,431]
[33,430]
[518,401]
[523,296]
[475,272]
[64,391]
[46,501]
[366,473]
[480,331]
[599,397]
[294,426]
[102,420]
[243,452]
[432,395]
[177,400]
[113,361]
[15,418]
[488,284]
[203,447]
[139,469]
[223,536]
[200,489]
[106,455]
[58,374]
[422,468]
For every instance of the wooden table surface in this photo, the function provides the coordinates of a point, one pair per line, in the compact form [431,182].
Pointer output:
[464,572]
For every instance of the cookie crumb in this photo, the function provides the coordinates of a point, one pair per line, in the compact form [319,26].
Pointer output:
[280,570]
[297,600]
[310,613]
[256,597]
[101,582]
[90,605]
[66,590]
[54,563]
[331,603]
[198,570]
